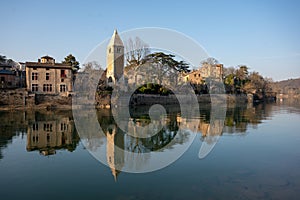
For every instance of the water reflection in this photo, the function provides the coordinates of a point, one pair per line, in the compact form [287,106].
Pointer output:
[11,124]
[246,163]
[129,151]
[120,146]
[48,132]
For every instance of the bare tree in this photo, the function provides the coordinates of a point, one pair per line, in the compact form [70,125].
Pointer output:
[210,61]
[136,50]
[228,70]
[92,65]
[92,73]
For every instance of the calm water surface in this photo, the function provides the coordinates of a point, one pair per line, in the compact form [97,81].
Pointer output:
[257,157]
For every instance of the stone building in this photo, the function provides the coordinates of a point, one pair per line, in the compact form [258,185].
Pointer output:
[11,77]
[48,77]
[213,71]
[198,76]
[114,59]
[194,77]
[7,79]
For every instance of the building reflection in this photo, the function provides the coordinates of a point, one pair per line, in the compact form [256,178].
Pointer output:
[235,122]
[206,126]
[119,141]
[48,133]
[168,127]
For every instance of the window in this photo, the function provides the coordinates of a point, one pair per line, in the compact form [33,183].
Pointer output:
[63,73]
[109,50]
[47,68]
[62,88]
[48,127]
[35,127]
[63,127]
[47,76]
[34,68]
[34,76]
[47,87]
[118,50]
[62,80]
[34,87]
[2,79]
[35,139]
[48,138]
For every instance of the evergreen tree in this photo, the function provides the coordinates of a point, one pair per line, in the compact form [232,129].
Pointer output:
[71,60]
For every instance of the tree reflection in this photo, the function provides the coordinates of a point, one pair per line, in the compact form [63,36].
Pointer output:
[140,118]
[11,124]
[48,132]
[236,121]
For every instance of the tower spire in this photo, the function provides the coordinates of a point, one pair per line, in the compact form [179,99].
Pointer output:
[114,59]
[115,39]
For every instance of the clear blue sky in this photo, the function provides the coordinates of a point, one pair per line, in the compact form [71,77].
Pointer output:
[265,35]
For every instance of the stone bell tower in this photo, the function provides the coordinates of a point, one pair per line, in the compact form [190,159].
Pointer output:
[114,59]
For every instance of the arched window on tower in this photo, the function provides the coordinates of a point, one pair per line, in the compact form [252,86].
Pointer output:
[110,79]
[109,50]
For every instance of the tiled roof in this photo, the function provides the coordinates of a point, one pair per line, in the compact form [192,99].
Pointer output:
[47,57]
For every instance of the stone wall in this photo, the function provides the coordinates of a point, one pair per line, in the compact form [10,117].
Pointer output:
[171,99]
[21,99]
[52,99]
[142,99]
[239,99]
[148,99]
[14,97]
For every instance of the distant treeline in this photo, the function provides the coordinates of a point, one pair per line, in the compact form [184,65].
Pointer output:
[290,86]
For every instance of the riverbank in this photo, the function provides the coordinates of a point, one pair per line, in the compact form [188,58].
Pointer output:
[20,99]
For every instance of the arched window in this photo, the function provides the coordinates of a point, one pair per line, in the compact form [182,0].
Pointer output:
[110,79]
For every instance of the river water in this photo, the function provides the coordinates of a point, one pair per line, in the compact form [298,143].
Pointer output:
[256,155]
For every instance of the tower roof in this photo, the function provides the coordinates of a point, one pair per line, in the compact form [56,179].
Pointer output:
[115,40]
